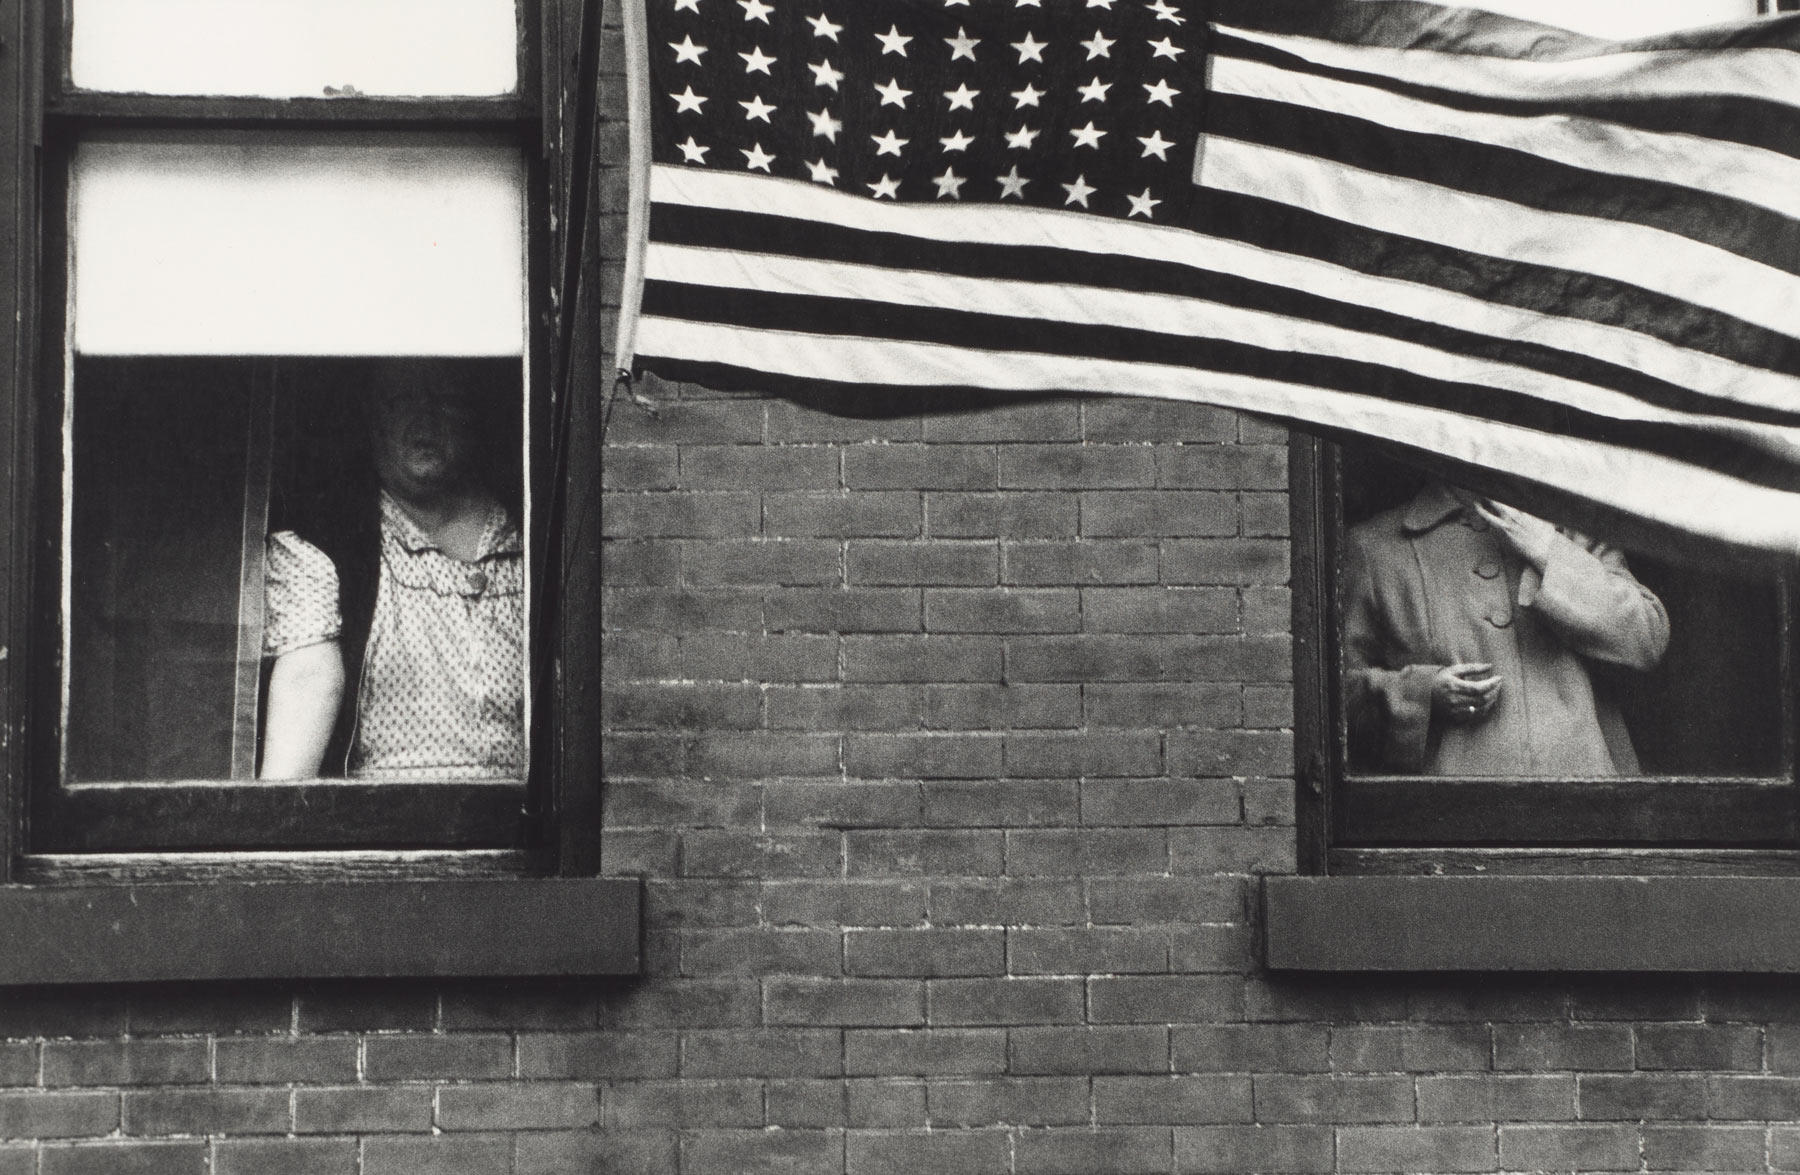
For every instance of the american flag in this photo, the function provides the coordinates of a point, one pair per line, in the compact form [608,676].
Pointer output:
[1500,245]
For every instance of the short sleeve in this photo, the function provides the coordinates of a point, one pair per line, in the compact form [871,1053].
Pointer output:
[300,596]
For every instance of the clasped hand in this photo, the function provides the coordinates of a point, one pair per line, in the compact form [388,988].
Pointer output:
[1465,693]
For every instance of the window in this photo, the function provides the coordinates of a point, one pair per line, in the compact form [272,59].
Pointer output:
[303,297]
[1674,733]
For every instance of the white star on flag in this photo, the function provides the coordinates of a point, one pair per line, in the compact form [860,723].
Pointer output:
[892,41]
[1166,48]
[823,174]
[824,124]
[756,61]
[687,51]
[1027,97]
[1156,145]
[1012,184]
[1021,139]
[1162,92]
[822,26]
[824,75]
[1141,204]
[687,101]
[1098,46]
[1094,91]
[689,5]
[962,45]
[1078,191]
[693,152]
[962,98]
[1030,49]
[1088,136]
[756,159]
[892,94]
[885,186]
[756,10]
[756,108]
[889,144]
[949,184]
[957,141]
[1164,12]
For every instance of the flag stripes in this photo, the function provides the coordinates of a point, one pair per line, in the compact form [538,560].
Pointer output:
[880,267]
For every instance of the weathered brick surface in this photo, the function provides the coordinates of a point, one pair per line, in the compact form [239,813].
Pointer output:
[952,738]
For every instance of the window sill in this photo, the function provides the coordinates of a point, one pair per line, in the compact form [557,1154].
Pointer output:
[319,930]
[1695,924]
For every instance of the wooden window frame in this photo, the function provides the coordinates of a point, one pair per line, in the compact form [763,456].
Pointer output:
[1396,824]
[199,901]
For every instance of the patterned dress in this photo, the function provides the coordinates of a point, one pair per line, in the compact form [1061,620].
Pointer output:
[442,694]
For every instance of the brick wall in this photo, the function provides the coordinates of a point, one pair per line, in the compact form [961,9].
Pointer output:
[952,739]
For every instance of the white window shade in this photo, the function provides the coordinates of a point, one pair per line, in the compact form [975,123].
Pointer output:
[295,48]
[1623,19]
[297,245]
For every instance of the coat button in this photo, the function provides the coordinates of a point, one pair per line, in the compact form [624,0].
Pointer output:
[478,582]
[1489,569]
[1501,619]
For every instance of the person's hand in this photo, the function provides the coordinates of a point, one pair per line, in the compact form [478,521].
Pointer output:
[1465,694]
[1531,536]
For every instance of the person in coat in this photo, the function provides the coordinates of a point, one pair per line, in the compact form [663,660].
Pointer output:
[1471,630]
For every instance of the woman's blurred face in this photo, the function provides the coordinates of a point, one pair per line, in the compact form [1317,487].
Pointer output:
[424,436]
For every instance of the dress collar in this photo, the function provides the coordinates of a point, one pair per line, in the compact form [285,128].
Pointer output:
[498,534]
[1431,506]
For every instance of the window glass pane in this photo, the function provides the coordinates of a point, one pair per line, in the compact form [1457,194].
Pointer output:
[1461,656]
[295,48]
[296,561]
[1624,18]
[297,244]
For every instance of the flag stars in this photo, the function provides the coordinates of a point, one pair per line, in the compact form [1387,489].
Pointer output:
[1012,184]
[755,109]
[962,45]
[892,94]
[889,144]
[688,102]
[1165,48]
[755,158]
[1097,46]
[892,41]
[1156,145]
[1031,49]
[1141,205]
[957,141]
[824,75]
[1162,92]
[692,152]
[1106,4]
[1164,12]
[949,184]
[822,26]
[688,5]
[1088,136]
[756,10]
[1021,139]
[824,125]
[822,173]
[1027,97]
[1094,91]
[1078,191]
[756,61]
[962,98]
[687,51]
[885,186]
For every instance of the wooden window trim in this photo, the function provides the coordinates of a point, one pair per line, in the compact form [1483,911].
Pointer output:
[197,915]
[1374,822]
